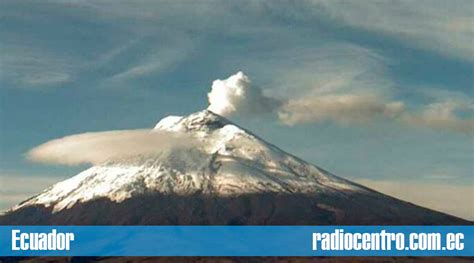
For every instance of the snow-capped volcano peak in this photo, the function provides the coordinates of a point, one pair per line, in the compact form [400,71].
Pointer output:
[225,160]
[204,121]
[168,122]
[213,130]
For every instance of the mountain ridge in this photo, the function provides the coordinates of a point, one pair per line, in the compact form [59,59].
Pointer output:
[228,175]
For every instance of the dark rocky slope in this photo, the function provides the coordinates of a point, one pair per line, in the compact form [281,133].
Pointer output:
[250,209]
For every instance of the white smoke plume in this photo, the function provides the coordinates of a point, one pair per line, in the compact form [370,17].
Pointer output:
[236,96]
[338,108]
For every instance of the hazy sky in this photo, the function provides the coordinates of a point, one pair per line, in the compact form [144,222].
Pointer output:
[375,91]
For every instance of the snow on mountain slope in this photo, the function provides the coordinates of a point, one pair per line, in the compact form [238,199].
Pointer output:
[226,161]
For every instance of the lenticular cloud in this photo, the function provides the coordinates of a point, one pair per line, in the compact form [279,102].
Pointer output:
[99,147]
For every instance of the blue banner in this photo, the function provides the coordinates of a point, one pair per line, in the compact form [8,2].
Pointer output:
[236,241]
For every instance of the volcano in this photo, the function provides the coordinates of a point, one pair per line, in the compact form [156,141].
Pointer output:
[230,177]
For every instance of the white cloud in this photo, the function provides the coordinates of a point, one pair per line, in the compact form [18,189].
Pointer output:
[125,51]
[321,68]
[100,147]
[236,95]
[156,61]
[440,26]
[32,66]
[451,199]
[444,116]
[345,109]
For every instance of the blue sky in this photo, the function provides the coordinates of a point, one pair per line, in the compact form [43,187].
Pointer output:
[70,67]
